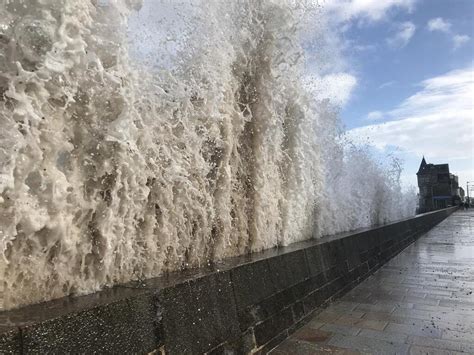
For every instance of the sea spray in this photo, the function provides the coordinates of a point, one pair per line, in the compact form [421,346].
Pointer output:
[116,167]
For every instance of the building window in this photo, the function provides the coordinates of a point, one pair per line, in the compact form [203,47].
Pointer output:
[425,179]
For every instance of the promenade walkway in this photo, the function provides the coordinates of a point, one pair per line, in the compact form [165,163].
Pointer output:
[421,302]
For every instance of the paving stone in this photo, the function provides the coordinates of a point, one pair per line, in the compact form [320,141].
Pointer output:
[464,305]
[356,295]
[403,305]
[412,313]
[385,335]
[314,324]
[327,316]
[417,293]
[442,344]
[441,325]
[380,316]
[340,329]
[432,315]
[422,300]
[423,350]
[458,336]
[361,323]
[376,308]
[311,335]
[353,314]
[436,283]
[290,347]
[343,306]
[414,330]
[438,309]
[392,297]
[369,345]
[435,290]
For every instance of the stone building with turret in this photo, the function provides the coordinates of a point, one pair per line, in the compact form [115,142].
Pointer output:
[438,187]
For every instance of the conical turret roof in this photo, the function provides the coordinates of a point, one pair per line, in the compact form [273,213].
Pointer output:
[422,165]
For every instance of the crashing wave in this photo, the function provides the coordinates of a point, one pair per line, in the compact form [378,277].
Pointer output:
[114,168]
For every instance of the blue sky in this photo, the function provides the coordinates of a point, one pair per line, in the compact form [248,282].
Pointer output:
[406,78]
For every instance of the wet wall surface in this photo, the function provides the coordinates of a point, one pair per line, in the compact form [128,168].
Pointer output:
[249,303]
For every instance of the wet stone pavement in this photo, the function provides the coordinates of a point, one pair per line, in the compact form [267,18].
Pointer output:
[421,302]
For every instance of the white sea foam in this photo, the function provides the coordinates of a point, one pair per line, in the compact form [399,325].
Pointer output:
[121,161]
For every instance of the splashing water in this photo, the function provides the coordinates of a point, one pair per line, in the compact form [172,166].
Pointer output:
[121,161]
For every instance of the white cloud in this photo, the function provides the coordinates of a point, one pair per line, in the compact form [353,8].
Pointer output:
[459,40]
[364,47]
[437,121]
[438,24]
[338,16]
[405,32]
[375,115]
[365,10]
[387,84]
[441,95]
[336,87]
